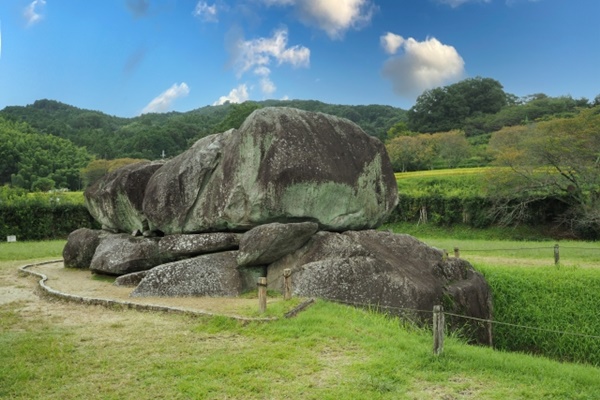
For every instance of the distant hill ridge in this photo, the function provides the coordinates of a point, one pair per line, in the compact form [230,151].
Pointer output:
[148,135]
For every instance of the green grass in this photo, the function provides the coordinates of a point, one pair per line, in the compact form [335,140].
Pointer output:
[31,250]
[552,299]
[446,182]
[329,351]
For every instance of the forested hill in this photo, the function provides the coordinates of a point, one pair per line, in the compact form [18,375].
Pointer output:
[148,135]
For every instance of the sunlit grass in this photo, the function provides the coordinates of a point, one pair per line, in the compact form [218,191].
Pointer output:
[442,173]
[329,351]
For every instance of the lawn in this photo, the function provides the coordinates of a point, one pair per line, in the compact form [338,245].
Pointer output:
[57,350]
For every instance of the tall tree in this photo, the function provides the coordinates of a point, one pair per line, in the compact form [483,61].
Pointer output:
[446,108]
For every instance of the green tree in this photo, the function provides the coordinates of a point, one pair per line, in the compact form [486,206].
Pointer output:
[237,115]
[451,148]
[559,158]
[28,156]
[398,129]
[446,108]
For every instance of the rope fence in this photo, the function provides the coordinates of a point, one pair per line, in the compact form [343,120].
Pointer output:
[489,321]
[556,249]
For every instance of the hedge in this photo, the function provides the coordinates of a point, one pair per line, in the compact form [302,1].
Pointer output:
[472,210]
[34,221]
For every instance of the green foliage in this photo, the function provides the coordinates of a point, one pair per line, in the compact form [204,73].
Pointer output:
[148,135]
[446,108]
[556,159]
[465,196]
[425,151]
[37,216]
[554,299]
[34,161]
[237,115]
[533,108]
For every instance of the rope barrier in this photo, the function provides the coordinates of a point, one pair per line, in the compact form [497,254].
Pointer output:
[523,326]
[374,306]
[532,248]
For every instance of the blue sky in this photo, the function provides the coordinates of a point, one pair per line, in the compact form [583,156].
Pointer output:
[127,57]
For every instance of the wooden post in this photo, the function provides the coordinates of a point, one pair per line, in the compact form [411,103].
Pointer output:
[556,254]
[287,284]
[438,330]
[262,294]
[456,252]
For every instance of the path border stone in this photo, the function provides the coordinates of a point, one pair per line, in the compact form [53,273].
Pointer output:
[110,303]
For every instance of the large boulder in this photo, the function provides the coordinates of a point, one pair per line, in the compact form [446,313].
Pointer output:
[281,165]
[207,275]
[189,245]
[116,199]
[80,248]
[266,244]
[120,254]
[398,273]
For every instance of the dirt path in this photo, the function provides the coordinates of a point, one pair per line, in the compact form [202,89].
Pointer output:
[15,286]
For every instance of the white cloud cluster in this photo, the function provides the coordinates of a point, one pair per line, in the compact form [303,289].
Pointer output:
[334,17]
[237,95]
[423,65]
[162,102]
[257,55]
[32,12]
[205,12]
[261,52]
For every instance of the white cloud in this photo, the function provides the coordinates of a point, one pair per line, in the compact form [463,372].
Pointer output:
[267,86]
[257,55]
[205,12]
[32,12]
[423,65]
[334,17]
[237,95]
[162,102]
[391,42]
[262,51]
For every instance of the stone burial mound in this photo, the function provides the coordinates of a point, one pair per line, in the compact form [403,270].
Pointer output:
[288,189]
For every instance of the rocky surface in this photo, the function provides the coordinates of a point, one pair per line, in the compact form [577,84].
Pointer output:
[282,165]
[80,248]
[189,245]
[305,188]
[116,199]
[207,275]
[266,244]
[383,269]
[120,254]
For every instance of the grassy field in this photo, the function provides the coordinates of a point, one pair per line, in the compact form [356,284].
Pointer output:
[56,350]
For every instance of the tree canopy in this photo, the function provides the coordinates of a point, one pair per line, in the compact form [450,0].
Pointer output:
[558,158]
[35,161]
[446,108]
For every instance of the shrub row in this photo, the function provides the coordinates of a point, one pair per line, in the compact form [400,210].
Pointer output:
[555,300]
[38,221]
[472,210]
